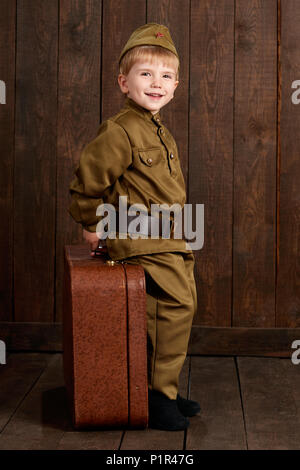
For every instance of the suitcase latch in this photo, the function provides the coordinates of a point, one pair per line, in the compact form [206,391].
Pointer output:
[112,262]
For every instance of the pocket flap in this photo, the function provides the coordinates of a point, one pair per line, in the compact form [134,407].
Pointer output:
[150,156]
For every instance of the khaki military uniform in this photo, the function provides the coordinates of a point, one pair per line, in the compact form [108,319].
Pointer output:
[171,305]
[134,155]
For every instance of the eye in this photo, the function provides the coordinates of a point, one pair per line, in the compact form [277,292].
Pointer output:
[145,73]
[168,76]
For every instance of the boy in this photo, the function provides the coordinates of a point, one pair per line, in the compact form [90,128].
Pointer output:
[134,155]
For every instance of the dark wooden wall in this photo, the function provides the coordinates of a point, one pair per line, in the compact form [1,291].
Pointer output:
[236,128]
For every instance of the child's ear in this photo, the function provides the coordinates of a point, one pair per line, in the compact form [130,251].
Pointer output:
[122,80]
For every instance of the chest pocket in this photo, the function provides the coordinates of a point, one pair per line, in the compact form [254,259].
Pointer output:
[151,157]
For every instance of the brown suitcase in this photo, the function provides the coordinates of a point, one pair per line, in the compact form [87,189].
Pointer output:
[104,341]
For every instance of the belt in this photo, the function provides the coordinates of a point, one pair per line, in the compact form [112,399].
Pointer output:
[146,226]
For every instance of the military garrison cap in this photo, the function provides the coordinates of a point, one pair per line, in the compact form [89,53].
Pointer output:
[150,34]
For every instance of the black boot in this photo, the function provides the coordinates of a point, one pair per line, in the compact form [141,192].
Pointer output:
[164,413]
[187,407]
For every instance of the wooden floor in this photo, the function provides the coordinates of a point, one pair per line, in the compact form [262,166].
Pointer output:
[247,403]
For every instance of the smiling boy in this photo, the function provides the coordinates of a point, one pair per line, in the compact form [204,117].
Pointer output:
[150,84]
[134,155]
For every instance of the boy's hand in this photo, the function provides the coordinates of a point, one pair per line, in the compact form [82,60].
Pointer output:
[93,240]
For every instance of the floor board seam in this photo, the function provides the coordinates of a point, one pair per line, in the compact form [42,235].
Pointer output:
[241,399]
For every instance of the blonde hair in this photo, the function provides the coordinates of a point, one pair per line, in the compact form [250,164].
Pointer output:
[140,53]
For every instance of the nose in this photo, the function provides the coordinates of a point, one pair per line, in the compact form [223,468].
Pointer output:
[156,82]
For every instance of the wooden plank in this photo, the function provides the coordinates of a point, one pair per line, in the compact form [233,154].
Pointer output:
[219,426]
[204,340]
[254,226]
[7,75]
[242,341]
[118,24]
[91,440]
[155,439]
[78,111]
[31,336]
[35,160]
[271,393]
[17,377]
[42,418]
[210,150]
[288,278]
[176,114]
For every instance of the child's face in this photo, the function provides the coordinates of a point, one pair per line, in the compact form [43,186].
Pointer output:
[149,84]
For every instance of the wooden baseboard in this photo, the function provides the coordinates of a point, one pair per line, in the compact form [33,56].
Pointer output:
[273,342]
[212,341]
[31,336]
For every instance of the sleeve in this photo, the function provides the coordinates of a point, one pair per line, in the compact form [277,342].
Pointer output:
[101,163]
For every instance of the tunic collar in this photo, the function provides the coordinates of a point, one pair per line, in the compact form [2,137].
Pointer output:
[129,103]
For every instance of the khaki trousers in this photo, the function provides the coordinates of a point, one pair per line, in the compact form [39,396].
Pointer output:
[171,305]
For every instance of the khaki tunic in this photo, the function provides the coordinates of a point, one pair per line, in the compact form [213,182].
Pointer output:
[133,155]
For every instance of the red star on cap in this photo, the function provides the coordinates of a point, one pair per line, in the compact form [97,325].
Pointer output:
[159,35]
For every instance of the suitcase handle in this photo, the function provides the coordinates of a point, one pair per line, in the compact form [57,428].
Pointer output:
[102,251]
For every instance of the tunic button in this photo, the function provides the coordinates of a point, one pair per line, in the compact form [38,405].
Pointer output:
[171,156]
[149,160]
[161,131]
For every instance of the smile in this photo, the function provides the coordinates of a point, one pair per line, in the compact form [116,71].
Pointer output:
[154,95]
